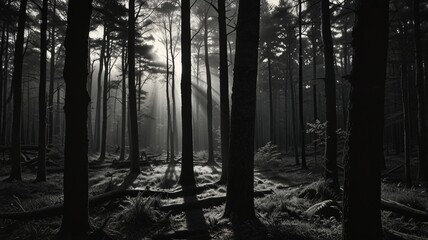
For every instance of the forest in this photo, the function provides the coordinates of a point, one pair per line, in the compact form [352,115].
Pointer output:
[214,119]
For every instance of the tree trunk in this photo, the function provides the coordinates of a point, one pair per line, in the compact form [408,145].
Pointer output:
[187,174]
[169,133]
[5,79]
[345,70]
[240,186]
[41,170]
[173,124]
[422,128]
[105,98]
[224,91]
[271,118]
[139,86]
[286,109]
[197,145]
[89,87]
[209,94]
[97,124]
[330,98]
[52,79]
[57,126]
[2,48]
[301,120]
[27,129]
[293,109]
[123,132]
[406,122]
[17,91]
[75,222]
[314,90]
[134,154]
[362,167]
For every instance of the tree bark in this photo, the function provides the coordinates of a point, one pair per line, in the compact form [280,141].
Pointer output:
[27,117]
[330,98]
[301,119]
[224,91]
[345,71]
[406,122]
[52,79]
[97,124]
[123,132]
[422,127]
[41,170]
[366,109]
[240,186]
[135,151]
[293,109]
[271,118]
[209,94]
[2,48]
[187,174]
[75,223]
[173,124]
[17,91]
[89,87]
[5,79]
[314,90]
[105,98]
[197,144]
[169,133]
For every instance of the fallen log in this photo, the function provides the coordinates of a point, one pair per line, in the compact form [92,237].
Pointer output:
[392,170]
[389,205]
[403,236]
[204,203]
[55,210]
[126,164]
[23,148]
[184,234]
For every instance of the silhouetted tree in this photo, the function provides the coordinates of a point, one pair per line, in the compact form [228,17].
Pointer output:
[187,174]
[361,216]
[224,90]
[422,127]
[123,121]
[41,171]
[168,10]
[52,75]
[240,186]
[75,222]
[330,97]
[209,89]
[406,121]
[97,132]
[17,92]
[106,63]
[301,119]
[133,131]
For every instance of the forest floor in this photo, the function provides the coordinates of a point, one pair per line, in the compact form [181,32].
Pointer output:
[290,203]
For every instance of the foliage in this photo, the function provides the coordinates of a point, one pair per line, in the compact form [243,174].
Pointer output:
[411,197]
[266,154]
[140,210]
[319,129]
[325,209]
[319,190]
[284,213]
[138,216]
[56,152]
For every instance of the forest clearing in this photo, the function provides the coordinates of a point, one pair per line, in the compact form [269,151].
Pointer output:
[289,202]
